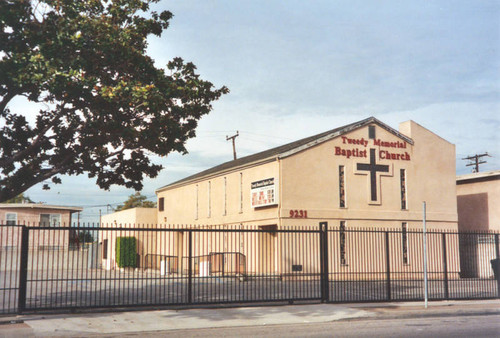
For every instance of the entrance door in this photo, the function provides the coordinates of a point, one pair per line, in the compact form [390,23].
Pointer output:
[267,253]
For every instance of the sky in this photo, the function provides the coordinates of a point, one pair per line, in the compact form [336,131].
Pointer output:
[298,68]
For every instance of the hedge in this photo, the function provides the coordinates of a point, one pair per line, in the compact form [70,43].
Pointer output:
[126,252]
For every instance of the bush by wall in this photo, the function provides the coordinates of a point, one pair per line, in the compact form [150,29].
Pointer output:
[126,252]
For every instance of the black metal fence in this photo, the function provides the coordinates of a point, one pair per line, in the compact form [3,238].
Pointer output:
[58,268]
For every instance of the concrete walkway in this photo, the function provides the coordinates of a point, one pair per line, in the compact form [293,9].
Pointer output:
[113,323]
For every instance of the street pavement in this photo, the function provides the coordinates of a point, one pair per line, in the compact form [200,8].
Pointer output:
[173,322]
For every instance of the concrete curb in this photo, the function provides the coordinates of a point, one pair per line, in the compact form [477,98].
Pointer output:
[428,314]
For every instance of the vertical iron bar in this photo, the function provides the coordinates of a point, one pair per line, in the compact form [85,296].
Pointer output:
[23,269]
[387,266]
[324,260]
[190,266]
[321,265]
[325,242]
[424,221]
[445,268]
[497,249]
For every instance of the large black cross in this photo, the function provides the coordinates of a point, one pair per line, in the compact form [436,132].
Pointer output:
[373,168]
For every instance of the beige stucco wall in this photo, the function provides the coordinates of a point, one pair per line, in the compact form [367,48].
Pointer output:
[133,219]
[217,200]
[478,205]
[432,177]
[310,181]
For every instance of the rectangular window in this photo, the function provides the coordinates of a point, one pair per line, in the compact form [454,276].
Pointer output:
[371,132]
[209,198]
[11,218]
[403,189]
[341,187]
[241,192]
[161,204]
[196,210]
[50,220]
[225,197]
[105,249]
[342,243]
[404,242]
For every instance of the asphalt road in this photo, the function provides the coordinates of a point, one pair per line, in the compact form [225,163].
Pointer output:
[459,326]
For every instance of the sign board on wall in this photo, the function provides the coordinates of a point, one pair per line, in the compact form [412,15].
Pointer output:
[264,193]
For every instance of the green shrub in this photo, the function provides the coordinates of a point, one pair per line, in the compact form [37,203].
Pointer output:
[126,252]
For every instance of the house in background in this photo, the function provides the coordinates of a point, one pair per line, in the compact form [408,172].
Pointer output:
[478,201]
[36,215]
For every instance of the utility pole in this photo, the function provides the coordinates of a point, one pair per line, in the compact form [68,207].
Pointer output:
[234,146]
[475,161]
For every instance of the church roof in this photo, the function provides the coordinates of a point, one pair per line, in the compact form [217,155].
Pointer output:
[285,151]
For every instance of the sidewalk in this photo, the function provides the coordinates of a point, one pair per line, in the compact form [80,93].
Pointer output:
[90,324]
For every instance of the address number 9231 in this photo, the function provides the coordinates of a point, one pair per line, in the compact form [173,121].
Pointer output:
[298,213]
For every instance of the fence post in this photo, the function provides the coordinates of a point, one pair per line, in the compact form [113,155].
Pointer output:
[387,266]
[190,267]
[497,249]
[23,269]
[323,242]
[445,268]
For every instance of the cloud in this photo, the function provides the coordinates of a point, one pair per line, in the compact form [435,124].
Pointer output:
[298,68]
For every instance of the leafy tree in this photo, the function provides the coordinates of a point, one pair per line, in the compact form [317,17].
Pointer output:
[104,105]
[136,201]
[20,199]
[85,237]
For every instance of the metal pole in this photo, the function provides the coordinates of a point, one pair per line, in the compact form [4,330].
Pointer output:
[425,257]
[23,270]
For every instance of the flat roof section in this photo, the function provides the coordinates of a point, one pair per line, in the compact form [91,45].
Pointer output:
[479,177]
[38,206]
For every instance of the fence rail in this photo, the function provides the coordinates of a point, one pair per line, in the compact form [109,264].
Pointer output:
[48,268]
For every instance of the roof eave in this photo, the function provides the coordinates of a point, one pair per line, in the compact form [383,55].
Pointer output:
[218,173]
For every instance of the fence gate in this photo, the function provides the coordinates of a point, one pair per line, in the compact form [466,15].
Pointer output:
[373,265]
[61,268]
[10,246]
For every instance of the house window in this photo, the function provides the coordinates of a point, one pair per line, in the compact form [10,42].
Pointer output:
[161,204]
[342,243]
[404,242]
[403,189]
[105,249]
[341,187]
[50,220]
[11,218]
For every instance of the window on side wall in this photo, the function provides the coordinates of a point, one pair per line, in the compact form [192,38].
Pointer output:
[50,220]
[161,204]
[11,218]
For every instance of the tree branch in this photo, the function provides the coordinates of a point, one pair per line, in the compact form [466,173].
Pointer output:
[6,99]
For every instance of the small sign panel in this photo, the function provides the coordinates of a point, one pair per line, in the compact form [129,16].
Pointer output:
[264,193]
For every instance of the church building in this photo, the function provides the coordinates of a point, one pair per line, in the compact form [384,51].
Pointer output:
[362,175]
